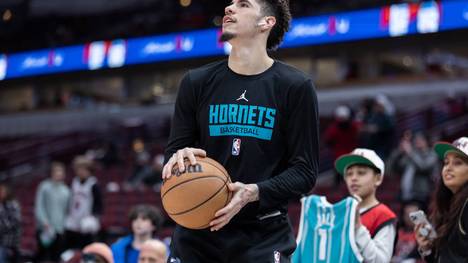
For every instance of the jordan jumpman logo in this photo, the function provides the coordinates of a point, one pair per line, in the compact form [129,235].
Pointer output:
[242,97]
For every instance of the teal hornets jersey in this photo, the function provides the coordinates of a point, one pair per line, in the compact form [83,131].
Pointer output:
[326,232]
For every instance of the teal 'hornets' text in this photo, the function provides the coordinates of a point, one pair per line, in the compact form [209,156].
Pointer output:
[241,120]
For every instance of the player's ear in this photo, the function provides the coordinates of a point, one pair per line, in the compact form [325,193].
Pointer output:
[267,22]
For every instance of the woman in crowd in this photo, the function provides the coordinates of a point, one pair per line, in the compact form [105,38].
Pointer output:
[449,209]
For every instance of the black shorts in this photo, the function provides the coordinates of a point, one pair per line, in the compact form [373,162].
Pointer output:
[270,240]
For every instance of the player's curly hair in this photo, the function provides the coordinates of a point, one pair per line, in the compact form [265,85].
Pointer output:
[280,10]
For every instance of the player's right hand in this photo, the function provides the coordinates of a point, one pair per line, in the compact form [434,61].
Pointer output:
[179,158]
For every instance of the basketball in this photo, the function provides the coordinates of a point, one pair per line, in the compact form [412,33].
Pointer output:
[193,197]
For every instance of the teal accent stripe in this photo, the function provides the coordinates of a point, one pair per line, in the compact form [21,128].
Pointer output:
[241,130]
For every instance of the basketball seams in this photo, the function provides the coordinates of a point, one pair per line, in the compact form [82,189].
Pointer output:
[228,197]
[223,171]
[214,164]
[208,224]
[190,180]
[202,203]
[206,207]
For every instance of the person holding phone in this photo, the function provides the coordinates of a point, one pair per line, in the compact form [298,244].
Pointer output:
[449,208]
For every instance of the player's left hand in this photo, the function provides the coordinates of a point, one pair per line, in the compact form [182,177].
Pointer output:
[243,194]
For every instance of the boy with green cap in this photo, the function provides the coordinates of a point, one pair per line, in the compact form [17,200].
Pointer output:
[375,228]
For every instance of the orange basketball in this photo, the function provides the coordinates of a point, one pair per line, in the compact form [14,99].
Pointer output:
[193,197]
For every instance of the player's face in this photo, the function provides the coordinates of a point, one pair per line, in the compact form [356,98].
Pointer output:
[361,180]
[455,171]
[241,19]
[142,226]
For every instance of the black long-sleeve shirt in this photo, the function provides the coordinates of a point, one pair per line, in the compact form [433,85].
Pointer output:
[262,128]
[454,249]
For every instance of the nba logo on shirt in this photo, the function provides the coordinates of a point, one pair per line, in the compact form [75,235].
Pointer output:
[236,144]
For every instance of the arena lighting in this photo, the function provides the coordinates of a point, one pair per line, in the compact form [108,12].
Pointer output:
[390,21]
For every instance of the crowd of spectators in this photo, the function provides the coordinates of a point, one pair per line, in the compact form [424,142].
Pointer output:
[69,213]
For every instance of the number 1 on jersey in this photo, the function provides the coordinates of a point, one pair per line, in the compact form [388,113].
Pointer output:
[323,244]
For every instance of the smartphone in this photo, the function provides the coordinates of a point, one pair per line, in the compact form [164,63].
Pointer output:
[419,217]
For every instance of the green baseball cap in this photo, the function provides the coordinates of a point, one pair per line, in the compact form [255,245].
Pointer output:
[459,146]
[359,156]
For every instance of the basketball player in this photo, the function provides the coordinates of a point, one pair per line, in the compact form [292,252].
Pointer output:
[258,117]
[375,227]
